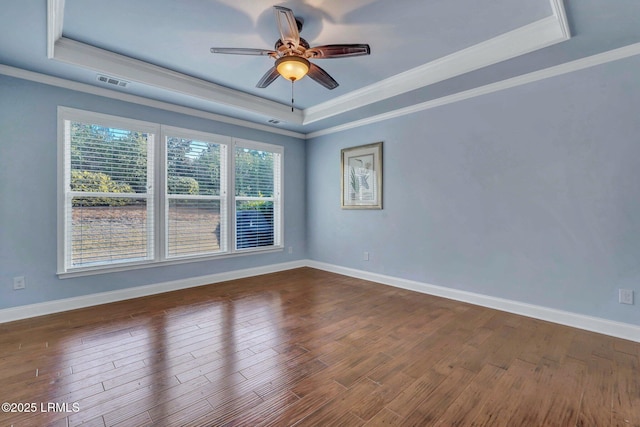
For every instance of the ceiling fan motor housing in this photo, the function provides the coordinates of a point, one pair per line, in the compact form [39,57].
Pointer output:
[303,43]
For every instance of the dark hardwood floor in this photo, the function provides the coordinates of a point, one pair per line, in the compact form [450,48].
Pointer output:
[311,348]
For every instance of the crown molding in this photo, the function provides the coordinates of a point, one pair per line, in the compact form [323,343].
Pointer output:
[557,70]
[100,60]
[557,6]
[140,100]
[556,24]
[55,18]
[537,35]
[569,67]
[534,36]
[93,58]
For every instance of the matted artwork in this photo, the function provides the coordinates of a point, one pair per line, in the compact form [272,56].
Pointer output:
[362,177]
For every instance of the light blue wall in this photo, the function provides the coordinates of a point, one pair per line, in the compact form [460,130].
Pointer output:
[530,194]
[28,170]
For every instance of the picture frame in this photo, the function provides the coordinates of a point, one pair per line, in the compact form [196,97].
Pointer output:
[361,176]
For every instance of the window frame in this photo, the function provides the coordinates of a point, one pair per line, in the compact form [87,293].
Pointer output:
[278,184]
[67,116]
[157,150]
[223,141]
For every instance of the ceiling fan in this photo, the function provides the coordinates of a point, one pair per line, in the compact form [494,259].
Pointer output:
[292,53]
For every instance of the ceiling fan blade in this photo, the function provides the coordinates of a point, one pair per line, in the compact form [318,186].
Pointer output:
[268,78]
[322,77]
[288,27]
[242,51]
[338,51]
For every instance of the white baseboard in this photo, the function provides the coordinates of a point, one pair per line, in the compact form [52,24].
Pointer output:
[594,324]
[57,306]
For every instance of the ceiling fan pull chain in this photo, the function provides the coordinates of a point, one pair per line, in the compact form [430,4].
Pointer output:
[292,96]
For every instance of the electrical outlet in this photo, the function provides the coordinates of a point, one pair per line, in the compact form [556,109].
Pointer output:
[625,296]
[290,249]
[365,256]
[19,283]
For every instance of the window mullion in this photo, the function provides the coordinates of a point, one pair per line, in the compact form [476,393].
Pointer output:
[231,208]
[159,196]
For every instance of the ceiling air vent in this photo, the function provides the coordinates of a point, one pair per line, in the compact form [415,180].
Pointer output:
[274,121]
[112,81]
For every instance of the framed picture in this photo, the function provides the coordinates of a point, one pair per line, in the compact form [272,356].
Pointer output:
[362,177]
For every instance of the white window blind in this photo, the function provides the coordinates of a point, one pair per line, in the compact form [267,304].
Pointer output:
[134,194]
[108,198]
[257,195]
[196,206]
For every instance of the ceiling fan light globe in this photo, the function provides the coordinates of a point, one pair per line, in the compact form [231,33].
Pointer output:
[292,67]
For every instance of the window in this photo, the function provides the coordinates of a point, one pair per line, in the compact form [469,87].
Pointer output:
[257,195]
[108,193]
[196,191]
[134,193]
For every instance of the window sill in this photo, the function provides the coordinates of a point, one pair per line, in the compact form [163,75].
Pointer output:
[92,271]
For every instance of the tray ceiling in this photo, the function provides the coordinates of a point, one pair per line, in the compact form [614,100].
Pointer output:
[420,49]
